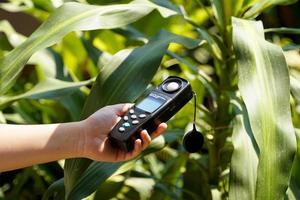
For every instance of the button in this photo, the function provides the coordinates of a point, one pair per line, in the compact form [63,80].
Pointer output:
[131,111]
[121,129]
[142,116]
[133,116]
[134,122]
[125,118]
[126,125]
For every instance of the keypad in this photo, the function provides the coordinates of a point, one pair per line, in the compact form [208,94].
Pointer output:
[132,118]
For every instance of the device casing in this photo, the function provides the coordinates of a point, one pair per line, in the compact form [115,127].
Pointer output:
[174,101]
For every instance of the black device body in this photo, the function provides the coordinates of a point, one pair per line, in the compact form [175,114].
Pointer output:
[159,106]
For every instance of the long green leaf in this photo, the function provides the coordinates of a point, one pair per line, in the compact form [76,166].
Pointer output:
[264,86]
[48,88]
[98,172]
[195,175]
[72,17]
[244,160]
[295,88]
[213,46]
[261,5]
[224,9]
[110,188]
[134,34]
[218,11]
[284,30]
[123,80]
[294,188]
[170,177]
[43,58]
[56,190]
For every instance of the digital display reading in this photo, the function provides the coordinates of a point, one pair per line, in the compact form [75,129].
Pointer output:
[150,104]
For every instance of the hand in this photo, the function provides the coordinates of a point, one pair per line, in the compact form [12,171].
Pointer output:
[98,126]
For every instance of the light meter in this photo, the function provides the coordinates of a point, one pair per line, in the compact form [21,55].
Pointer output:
[158,106]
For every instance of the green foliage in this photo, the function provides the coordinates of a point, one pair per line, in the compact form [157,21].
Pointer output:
[264,85]
[246,114]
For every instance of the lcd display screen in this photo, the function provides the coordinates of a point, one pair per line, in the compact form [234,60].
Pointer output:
[150,104]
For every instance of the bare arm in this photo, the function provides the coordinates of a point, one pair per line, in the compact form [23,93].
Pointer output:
[26,145]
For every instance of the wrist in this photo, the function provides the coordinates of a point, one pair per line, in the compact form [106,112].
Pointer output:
[79,139]
[84,146]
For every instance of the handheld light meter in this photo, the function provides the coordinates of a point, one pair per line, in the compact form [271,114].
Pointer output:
[159,106]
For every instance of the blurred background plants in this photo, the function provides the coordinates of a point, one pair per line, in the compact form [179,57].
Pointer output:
[241,81]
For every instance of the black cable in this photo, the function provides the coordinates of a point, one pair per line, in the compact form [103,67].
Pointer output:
[195,109]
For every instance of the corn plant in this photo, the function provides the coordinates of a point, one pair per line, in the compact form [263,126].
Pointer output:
[89,54]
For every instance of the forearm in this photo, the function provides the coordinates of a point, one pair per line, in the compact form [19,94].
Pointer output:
[26,145]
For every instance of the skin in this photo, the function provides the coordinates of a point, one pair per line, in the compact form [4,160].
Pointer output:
[26,145]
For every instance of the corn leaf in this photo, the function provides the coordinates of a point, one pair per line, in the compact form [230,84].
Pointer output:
[110,188]
[98,172]
[170,177]
[295,88]
[123,79]
[72,17]
[260,5]
[224,9]
[293,192]
[284,30]
[244,160]
[264,86]
[48,88]
[294,188]
[217,7]
[213,46]
[55,190]
[193,176]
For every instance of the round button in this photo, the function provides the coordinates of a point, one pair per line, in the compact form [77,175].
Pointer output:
[131,111]
[126,124]
[121,129]
[125,118]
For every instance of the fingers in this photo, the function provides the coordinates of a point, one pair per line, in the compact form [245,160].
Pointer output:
[146,139]
[139,146]
[122,108]
[144,142]
[136,151]
[160,129]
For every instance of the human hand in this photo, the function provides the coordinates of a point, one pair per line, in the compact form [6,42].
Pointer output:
[96,145]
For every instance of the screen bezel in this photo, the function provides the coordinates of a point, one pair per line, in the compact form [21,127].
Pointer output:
[150,97]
